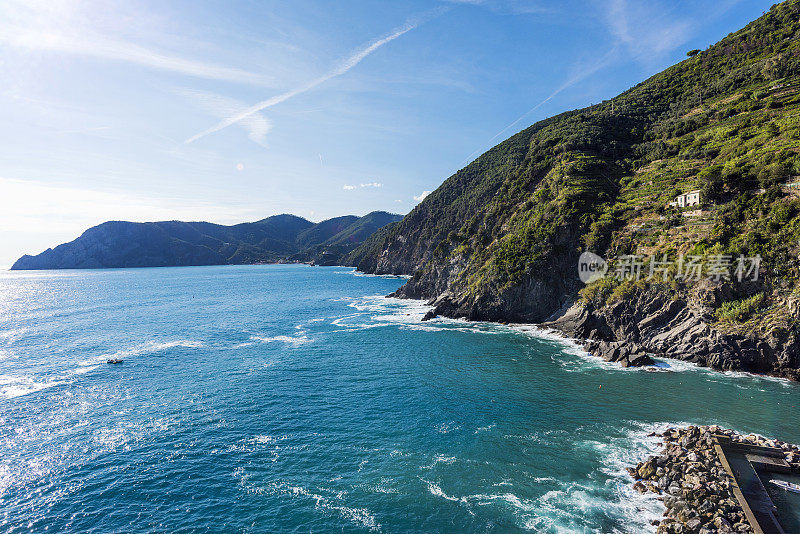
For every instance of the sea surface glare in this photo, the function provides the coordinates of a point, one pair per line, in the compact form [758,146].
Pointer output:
[298,399]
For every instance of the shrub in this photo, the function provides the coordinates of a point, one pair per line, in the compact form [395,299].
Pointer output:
[740,310]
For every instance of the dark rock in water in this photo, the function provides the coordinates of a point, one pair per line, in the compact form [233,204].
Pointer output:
[431,314]
[640,360]
[681,327]
[626,354]
[114,361]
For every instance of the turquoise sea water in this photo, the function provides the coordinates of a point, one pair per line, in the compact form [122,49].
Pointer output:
[298,399]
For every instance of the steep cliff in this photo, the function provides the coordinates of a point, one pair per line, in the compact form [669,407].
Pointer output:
[500,239]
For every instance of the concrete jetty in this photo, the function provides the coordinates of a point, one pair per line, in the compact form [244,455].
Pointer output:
[744,462]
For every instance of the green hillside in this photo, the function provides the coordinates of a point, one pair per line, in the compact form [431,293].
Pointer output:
[500,238]
[278,238]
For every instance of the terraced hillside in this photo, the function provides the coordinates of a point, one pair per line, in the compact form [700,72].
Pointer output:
[500,239]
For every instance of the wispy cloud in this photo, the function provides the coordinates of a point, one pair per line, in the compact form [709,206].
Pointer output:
[367,184]
[422,196]
[579,73]
[60,27]
[348,63]
[646,32]
[642,33]
[256,125]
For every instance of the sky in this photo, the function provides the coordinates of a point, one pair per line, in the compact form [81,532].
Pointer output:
[234,110]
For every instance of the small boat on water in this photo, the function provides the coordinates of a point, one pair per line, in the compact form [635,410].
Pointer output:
[788,486]
[113,361]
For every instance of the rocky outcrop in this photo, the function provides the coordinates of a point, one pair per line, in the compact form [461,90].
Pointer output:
[626,354]
[681,326]
[693,484]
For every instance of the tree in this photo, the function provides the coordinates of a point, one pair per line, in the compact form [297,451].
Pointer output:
[692,53]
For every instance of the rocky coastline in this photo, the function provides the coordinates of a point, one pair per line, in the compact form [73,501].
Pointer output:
[691,481]
[651,322]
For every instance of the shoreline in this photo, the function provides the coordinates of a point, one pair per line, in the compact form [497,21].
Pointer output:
[551,330]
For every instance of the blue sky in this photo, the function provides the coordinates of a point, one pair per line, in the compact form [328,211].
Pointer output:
[232,111]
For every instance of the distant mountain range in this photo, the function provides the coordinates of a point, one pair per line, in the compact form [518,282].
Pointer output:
[280,238]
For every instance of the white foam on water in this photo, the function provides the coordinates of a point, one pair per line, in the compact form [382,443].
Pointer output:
[356,272]
[149,347]
[437,491]
[18,386]
[12,335]
[294,341]
[408,314]
[439,459]
[446,428]
[85,369]
[325,500]
[605,497]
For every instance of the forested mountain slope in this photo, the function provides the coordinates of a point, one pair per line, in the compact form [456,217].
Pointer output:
[500,239]
[175,243]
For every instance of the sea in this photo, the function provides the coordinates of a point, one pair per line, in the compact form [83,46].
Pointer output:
[291,398]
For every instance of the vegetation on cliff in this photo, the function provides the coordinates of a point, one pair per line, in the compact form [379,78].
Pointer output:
[495,239]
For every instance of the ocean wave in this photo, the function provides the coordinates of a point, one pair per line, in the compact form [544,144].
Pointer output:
[446,428]
[12,386]
[12,335]
[151,347]
[326,500]
[439,459]
[408,314]
[605,497]
[82,370]
[18,386]
[486,428]
[385,486]
[295,341]
[355,272]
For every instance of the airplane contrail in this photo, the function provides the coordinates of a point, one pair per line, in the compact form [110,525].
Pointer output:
[351,61]
[572,80]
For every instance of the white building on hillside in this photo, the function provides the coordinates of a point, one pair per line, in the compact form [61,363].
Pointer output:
[692,198]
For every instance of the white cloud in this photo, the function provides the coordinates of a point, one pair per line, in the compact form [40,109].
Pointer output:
[367,184]
[256,125]
[67,27]
[422,196]
[351,61]
[645,31]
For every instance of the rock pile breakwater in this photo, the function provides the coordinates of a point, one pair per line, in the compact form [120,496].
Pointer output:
[696,489]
